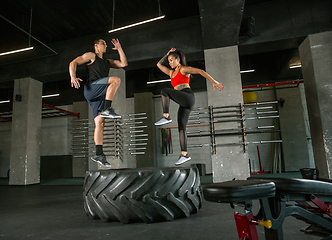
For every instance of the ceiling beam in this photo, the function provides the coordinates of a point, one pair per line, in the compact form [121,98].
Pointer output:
[220,21]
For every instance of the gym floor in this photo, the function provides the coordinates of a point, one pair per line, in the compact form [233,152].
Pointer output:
[52,210]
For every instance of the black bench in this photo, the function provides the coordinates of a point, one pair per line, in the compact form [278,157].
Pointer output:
[307,200]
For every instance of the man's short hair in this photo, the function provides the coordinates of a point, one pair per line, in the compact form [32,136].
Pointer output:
[95,42]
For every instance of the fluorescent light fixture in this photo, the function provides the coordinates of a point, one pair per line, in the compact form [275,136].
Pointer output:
[135,24]
[295,66]
[52,95]
[247,71]
[15,51]
[159,81]
[46,96]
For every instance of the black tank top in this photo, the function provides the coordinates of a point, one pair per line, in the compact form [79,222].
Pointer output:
[98,69]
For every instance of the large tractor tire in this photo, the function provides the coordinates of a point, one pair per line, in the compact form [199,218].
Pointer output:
[146,194]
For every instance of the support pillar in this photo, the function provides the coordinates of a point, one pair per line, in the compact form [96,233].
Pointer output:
[293,132]
[316,60]
[119,104]
[26,129]
[220,22]
[223,64]
[80,164]
[144,103]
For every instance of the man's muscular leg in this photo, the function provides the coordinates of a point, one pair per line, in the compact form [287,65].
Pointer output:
[99,130]
[98,138]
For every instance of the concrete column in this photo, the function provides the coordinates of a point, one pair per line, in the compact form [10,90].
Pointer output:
[119,101]
[80,165]
[119,104]
[223,65]
[26,128]
[316,60]
[144,103]
[293,132]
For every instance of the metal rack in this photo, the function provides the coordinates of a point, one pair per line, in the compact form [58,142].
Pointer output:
[238,114]
[80,137]
[136,138]
[121,136]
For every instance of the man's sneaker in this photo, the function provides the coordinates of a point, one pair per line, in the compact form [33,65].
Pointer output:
[109,113]
[182,159]
[163,121]
[101,159]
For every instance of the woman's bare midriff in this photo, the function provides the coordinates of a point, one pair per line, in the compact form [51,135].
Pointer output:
[181,86]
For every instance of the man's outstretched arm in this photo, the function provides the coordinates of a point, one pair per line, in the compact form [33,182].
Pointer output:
[123,59]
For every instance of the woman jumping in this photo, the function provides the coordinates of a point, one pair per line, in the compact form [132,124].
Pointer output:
[181,93]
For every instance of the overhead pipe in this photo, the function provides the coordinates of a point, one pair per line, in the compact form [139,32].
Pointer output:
[61,110]
[273,84]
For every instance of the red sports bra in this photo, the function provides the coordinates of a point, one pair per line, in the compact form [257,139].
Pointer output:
[179,79]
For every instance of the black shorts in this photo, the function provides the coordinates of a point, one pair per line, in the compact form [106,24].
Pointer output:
[95,93]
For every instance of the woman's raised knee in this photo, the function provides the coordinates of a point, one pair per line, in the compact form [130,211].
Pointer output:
[164,92]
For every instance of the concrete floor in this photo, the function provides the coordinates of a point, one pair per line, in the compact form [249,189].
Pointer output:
[41,212]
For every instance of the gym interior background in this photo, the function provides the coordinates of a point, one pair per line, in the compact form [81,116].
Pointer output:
[267,35]
[286,43]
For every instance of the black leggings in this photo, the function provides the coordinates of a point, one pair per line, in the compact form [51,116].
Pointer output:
[186,99]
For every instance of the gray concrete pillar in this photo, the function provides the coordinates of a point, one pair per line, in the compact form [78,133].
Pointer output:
[80,164]
[26,128]
[293,132]
[223,64]
[119,101]
[144,103]
[316,60]
[119,104]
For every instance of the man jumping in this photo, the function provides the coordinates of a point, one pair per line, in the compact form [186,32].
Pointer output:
[99,89]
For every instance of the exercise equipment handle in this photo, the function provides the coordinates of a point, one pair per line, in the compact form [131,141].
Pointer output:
[266,223]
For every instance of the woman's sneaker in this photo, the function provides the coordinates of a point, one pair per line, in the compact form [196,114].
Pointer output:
[182,159]
[109,113]
[101,159]
[163,121]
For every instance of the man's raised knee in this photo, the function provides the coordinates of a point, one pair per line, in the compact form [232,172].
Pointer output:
[100,121]
[114,80]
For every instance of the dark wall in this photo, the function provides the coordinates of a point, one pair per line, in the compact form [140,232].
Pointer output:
[283,19]
[143,43]
[280,26]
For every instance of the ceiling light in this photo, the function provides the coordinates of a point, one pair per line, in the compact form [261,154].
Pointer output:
[247,71]
[15,51]
[46,96]
[295,66]
[135,24]
[52,95]
[30,36]
[159,81]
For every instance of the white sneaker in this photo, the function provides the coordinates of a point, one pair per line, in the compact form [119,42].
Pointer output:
[101,159]
[182,159]
[109,113]
[163,121]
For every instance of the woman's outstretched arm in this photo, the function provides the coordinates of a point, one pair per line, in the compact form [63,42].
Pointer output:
[192,70]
